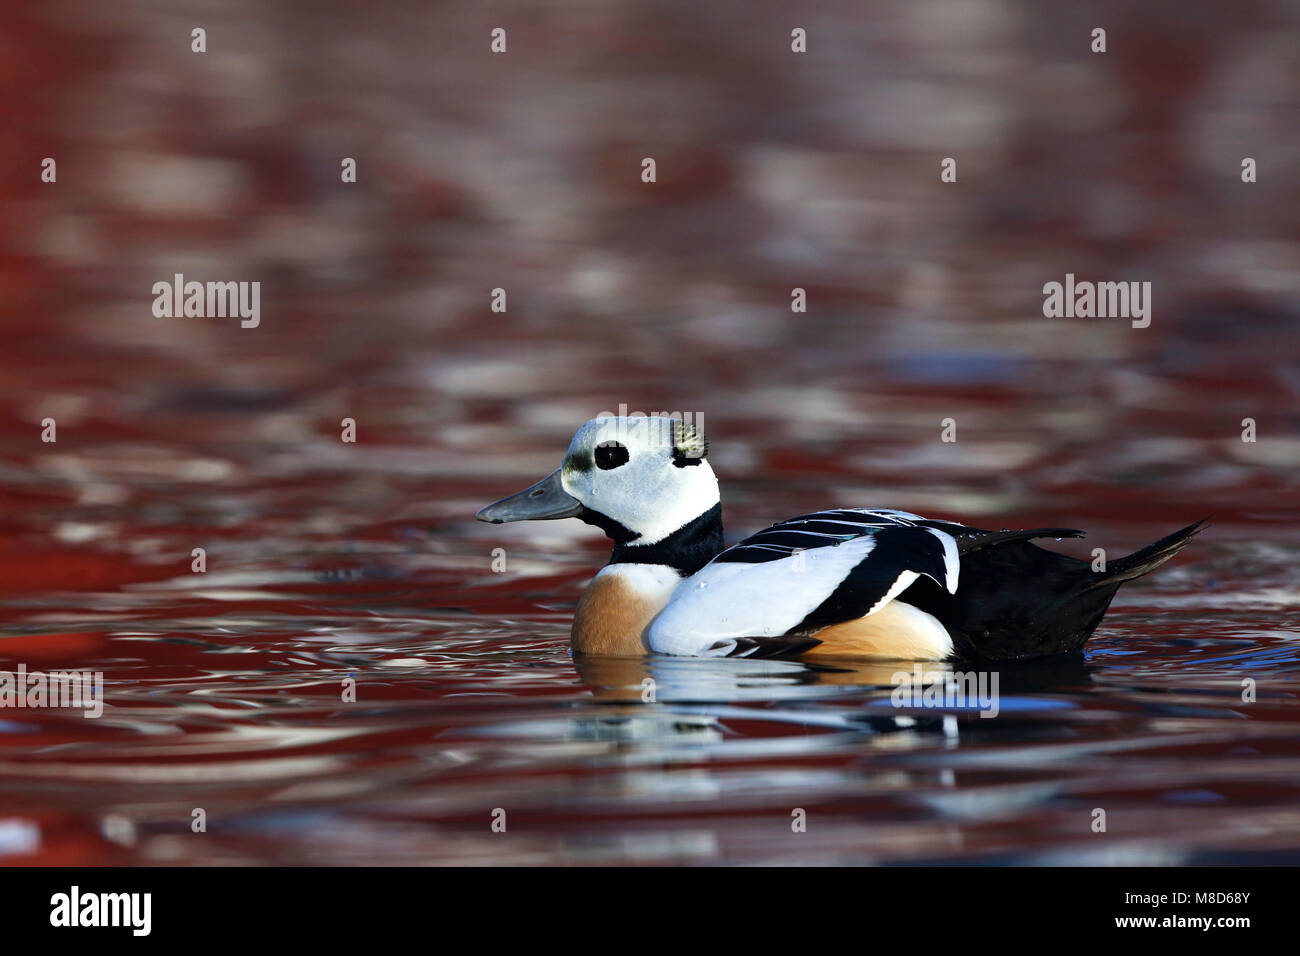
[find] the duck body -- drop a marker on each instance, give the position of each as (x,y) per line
(843,583)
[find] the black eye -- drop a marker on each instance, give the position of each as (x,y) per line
(610,454)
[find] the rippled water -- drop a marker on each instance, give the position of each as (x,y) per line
(224,693)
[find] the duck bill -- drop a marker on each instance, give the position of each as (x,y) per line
(545,500)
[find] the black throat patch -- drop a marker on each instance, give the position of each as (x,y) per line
(686,550)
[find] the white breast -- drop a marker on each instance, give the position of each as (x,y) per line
(653,583)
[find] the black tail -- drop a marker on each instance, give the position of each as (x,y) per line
(1016,600)
(1149,558)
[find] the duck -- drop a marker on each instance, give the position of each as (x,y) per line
(845,583)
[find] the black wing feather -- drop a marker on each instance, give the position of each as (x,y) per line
(897,550)
(818,530)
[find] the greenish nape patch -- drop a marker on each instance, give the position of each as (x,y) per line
(689,442)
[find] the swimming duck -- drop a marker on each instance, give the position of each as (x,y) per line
(847,583)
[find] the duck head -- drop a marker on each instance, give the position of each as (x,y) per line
(644,481)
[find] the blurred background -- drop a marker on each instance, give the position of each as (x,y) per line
(522,171)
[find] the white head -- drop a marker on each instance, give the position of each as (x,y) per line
(638,478)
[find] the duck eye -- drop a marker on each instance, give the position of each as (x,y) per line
(610,454)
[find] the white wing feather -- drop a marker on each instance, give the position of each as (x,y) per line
(728,600)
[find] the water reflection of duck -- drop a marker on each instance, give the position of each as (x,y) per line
(651,679)
(836,584)
(694,696)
